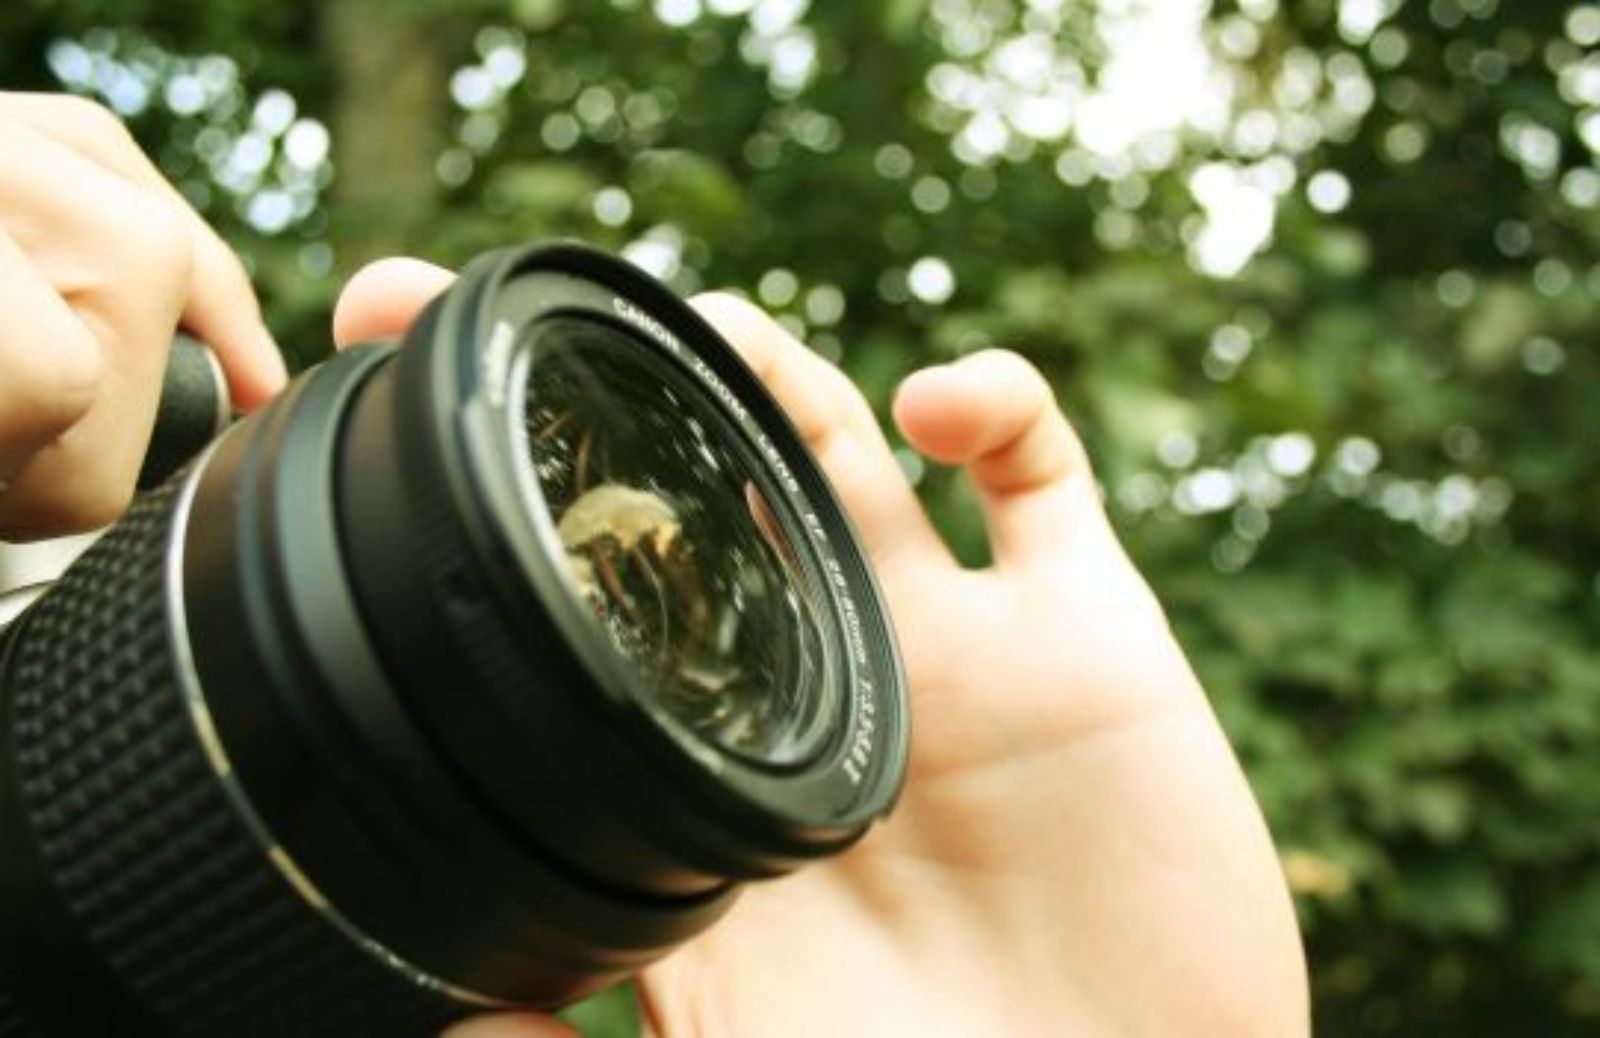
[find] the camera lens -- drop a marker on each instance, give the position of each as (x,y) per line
(675,544)
(480,670)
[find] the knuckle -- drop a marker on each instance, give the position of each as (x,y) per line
(1016,368)
(738,318)
(729,303)
(49,390)
(754,335)
(831,401)
(157,233)
(90,117)
(852,403)
(1033,397)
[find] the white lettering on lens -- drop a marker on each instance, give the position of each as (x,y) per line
(649,325)
(859,755)
(718,390)
(815,526)
(779,466)
(656,330)
(861,746)
(852,623)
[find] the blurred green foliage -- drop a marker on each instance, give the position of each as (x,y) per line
(1363,470)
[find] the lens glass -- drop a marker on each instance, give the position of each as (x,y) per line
(675,540)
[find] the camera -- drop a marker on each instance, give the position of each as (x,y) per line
(477,670)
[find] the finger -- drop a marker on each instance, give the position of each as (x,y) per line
(117,257)
(221,308)
(383,299)
(839,427)
(50,364)
(223,312)
(513,1025)
(994,413)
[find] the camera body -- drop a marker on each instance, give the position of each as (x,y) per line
(475,671)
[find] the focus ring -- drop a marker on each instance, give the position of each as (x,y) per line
(161,874)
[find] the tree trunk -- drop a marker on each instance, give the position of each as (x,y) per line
(388,116)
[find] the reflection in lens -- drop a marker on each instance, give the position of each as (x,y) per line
(674,543)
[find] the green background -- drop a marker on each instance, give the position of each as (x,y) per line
(1363,472)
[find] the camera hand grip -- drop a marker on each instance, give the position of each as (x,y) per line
(195,407)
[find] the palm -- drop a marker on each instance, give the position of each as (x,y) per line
(1075,836)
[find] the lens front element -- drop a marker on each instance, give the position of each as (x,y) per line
(677,547)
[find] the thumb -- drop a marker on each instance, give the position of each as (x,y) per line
(383,298)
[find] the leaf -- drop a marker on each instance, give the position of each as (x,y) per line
(1441,809)
(1373,613)
(1135,415)
(1451,900)
(537,195)
(691,190)
(537,14)
(1503,319)
(901,17)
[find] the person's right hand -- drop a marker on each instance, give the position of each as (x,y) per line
(100,261)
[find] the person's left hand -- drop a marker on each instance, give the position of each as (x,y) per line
(1077,850)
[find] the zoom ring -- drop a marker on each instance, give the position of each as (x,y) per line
(158,870)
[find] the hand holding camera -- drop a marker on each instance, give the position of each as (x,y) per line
(99,259)
(1075,850)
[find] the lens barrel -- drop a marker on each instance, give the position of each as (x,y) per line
(478,671)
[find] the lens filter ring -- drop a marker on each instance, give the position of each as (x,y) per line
(493,545)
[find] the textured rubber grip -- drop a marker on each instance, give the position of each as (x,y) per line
(157,868)
(194,408)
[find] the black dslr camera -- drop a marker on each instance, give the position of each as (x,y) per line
(475,671)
